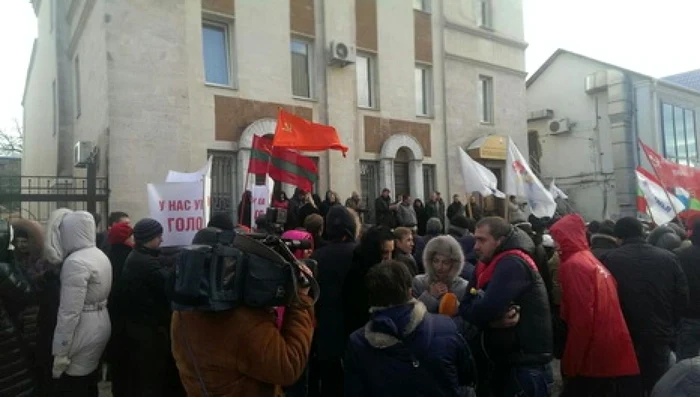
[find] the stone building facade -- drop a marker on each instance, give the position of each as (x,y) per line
(163,85)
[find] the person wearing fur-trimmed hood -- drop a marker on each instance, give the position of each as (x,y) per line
(403,350)
(443,259)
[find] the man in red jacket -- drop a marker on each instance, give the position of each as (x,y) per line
(599,358)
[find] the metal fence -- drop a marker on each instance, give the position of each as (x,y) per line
(35,197)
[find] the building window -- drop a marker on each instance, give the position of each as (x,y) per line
(486,99)
(55,107)
(78,106)
(301,68)
(215,48)
(421,5)
(424,91)
(485,14)
(366,81)
(680,139)
(429,184)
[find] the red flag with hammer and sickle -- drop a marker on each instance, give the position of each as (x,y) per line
(294,132)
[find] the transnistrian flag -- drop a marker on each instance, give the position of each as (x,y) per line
(294,132)
(282,165)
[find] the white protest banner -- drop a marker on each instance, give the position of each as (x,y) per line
(203,174)
(179,207)
(259,202)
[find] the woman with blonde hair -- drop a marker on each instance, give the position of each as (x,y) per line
(441,287)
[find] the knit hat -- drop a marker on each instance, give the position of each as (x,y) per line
(146,230)
(629,227)
(119,233)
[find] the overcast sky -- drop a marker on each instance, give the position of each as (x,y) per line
(658,38)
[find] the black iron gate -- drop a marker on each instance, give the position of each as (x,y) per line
(35,197)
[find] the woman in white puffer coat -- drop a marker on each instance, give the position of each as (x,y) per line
(83,326)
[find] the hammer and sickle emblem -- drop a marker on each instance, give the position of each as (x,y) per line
(287,127)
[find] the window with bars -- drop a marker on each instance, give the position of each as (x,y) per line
(302,61)
(369,185)
(222,184)
(679,134)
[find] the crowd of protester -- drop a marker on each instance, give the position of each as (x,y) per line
(430,300)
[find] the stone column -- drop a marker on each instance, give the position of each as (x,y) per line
(386,175)
(415,175)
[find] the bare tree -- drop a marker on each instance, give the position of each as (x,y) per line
(11,142)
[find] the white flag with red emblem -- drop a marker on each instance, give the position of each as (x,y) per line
(523,183)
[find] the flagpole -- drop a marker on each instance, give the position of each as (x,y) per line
(661,181)
(469,205)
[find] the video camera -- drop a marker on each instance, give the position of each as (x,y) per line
(273,221)
(225,269)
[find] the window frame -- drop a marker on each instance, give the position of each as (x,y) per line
(372,83)
(228,48)
(486,100)
(310,56)
(427,88)
(485,14)
(78,98)
(54,91)
(679,135)
(422,5)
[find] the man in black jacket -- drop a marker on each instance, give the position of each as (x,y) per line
(688,344)
(142,303)
(603,240)
(653,293)
(334,262)
(385,211)
(513,353)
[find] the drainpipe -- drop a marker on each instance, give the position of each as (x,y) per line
(323,68)
(441,30)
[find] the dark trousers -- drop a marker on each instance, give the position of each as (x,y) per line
(332,378)
(525,381)
(626,386)
(76,386)
(653,359)
(152,370)
(688,341)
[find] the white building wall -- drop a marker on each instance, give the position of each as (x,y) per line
(471,52)
(40,137)
(148,98)
(92,124)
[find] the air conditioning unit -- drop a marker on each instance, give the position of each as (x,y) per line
(559,126)
(342,54)
(82,152)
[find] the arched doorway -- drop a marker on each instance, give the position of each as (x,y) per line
(401,165)
(402,181)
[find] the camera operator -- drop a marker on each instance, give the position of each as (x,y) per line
(240,351)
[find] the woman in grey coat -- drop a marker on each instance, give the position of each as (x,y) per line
(443,259)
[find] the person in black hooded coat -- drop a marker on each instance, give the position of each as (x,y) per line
(377,244)
(16,377)
(334,261)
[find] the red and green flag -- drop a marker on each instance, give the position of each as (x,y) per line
(282,165)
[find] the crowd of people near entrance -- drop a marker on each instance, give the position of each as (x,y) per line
(430,300)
